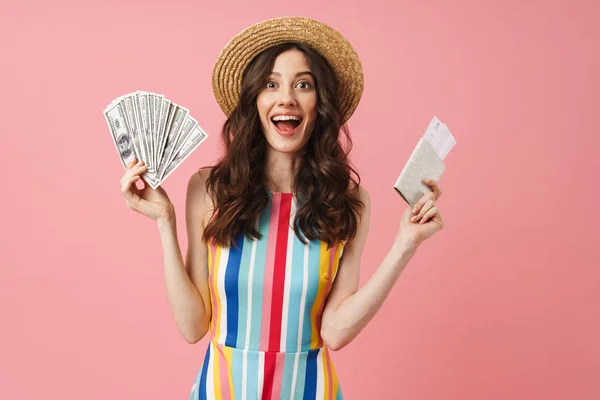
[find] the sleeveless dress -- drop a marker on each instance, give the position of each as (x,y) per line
(267,299)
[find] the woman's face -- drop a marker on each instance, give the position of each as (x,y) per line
(290,90)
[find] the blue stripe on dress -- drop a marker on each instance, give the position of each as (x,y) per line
(286,376)
(231,292)
(258,279)
(314,260)
(202,387)
(310,387)
(300,378)
(252,375)
(339,393)
(296,284)
(237,372)
(243,285)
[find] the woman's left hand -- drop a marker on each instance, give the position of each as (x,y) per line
(422,221)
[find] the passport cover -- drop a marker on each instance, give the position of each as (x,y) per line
(422,164)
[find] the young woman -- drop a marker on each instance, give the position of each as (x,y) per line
(277,226)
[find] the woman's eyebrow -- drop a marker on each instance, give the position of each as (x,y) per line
(297,75)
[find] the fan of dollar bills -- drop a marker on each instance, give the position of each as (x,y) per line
(151,128)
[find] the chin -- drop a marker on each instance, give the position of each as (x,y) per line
(286,144)
(289,147)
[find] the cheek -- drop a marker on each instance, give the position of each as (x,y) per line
(312,117)
(261,106)
(311,105)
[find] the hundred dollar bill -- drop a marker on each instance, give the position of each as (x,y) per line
(128,104)
(196,137)
(179,117)
(164,121)
(116,119)
(168,125)
(117,124)
(188,126)
(144,116)
(157,111)
(151,126)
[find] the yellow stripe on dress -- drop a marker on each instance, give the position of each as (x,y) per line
(210,266)
(228,353)
(217,373)
(323,269)
(336,261)
(334,378)
(326,371)
(215,282)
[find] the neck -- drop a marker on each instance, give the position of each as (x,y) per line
(280,169)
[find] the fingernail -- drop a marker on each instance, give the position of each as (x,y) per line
(414,210)
(413,219)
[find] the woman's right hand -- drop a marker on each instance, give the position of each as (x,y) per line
(150,202)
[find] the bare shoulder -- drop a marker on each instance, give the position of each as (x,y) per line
(363,195)
(355,245)
(198,203)
(365,213)
(198,178)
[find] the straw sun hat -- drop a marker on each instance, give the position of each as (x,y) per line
(242,48)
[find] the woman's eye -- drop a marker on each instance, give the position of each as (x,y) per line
(272,84)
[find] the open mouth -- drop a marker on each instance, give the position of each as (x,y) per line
(286,125)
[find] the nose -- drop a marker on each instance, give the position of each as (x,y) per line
(286,97)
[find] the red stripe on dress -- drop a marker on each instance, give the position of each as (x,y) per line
(279,272)
(270,363)
(278,376)
(268,273)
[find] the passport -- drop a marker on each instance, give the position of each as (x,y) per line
(425,162)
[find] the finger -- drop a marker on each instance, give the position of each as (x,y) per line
(426,207)
(135,170)
(138,170)
(429,214)
(145,185)
(135,164)
(126,185)
(426,197)
(437,190)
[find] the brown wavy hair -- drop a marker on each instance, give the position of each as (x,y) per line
(324,179)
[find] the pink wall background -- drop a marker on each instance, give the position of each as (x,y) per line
(504,303)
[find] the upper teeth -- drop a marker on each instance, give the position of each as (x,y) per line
(285,118)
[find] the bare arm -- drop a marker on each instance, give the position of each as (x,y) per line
(187,284)
(348,309)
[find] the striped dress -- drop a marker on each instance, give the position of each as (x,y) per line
(267,300)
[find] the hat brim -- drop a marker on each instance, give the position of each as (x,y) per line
(242,48)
